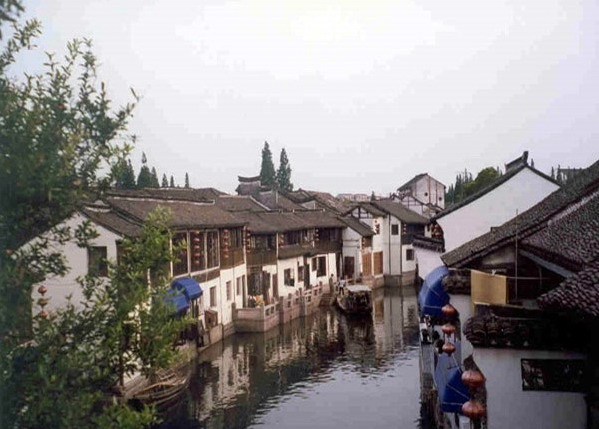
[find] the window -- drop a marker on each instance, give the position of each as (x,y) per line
(180,249)
(198,251)
(409,254)
(213,296)
(255,284)
(320,264)
(96,261)
(289,277)
(394,229)
(378,263)
(262,242)
(212,249)
(229,292)
(236,237)
(238,286)
(300,272)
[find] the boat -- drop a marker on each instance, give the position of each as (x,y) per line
(165,389)
(355,299)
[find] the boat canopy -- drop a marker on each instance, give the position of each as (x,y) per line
(432,296)
(358,288)
(178,301)
(453,393)
(190,288)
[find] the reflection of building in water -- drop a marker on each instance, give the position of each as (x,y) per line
(394,310)
(262,362)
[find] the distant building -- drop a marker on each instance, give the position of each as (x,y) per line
(358,198)
(423,194)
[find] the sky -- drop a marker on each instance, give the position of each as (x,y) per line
(363,95)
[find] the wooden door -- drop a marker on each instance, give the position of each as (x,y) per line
(349,267)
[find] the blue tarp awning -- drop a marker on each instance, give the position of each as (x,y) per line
(453,393)
(188,286)
(178,301)
(432,296)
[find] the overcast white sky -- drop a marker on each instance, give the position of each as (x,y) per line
(362,94)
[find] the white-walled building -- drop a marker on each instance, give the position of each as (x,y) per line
(423,194)
(520,188)
(394,228)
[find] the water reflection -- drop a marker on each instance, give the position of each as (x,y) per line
(322,371)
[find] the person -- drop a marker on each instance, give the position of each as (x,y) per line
(332,283)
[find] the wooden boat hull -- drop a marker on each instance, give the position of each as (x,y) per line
(355,304)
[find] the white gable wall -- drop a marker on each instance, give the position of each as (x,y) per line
(519,193)
(59,288)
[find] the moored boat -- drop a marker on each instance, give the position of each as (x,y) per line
(355,299)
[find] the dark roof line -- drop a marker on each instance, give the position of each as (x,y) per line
(528,222)
(498,182)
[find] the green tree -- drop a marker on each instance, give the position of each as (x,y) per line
(122,172)
(164,183)
(9,11)
(144,178)
(267,169)
(284,173)
(58,128)
(172,182)
(186,180)
(155,182)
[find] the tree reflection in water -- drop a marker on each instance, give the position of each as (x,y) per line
(323,360)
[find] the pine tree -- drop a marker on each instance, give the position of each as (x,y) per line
(187,180)
(144,179)
(164,183)
(155,182)
(284,173)
(267,169)
(129,177)
(172,182)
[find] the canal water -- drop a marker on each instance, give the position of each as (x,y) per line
(322,371)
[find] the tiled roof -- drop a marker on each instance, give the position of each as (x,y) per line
(185,214)
(529,222)
(572,239)
(273,222)
(400,211)
(517,327)
(413,180)
(369,207)
(578,294)
(245,179)
(187,194)
(429,243)
(498,182)
(357,225)
(236,203)
(275,200)
(324,200)
(112,221)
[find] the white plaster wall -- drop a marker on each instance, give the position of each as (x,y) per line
(225,306)
(427,260)
(59,288)
(433,190)
(352,244)
(508,406)
(284,264)
(519,193)
(408,266)
(462,303)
